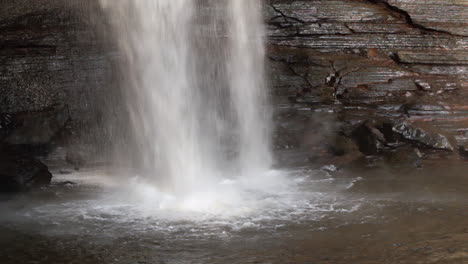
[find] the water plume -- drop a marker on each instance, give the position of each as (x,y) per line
(194,90)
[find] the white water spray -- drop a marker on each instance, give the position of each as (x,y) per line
(195,89)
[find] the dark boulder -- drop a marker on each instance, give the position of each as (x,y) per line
(423,134)
(22,173)
(463,151)
(369,138)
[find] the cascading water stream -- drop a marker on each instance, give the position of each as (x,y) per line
(194,89)
(190,122)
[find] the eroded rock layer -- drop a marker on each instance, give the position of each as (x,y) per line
(52,63)
(333,64)
(365,60)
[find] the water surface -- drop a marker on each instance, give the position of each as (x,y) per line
(299,215)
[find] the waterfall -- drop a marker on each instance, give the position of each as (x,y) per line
(193,89)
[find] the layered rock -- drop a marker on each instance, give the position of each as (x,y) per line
(55,69)
(404,61)
(336,63)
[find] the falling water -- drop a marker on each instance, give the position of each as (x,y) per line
(194,89)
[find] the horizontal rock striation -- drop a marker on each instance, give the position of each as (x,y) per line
(333,65)
(400,60)
(53,55)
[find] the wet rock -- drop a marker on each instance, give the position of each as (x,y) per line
(329,168)
(37,128)
(22,173)
(463,151)
(369,139)
(435,57)
(404,156)
(424,135)
(55,53)
(433,16)
(284,139)
(367,55)
(66,183)
(6,125)
(379,58)
(425,86)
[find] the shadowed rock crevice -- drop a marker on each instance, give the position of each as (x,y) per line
(408,19)
(285,17)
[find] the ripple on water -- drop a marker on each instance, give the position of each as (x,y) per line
(270,203)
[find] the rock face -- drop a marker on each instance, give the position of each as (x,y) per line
(344,61)
(463,150)
(20,173)
(53,70)
(36,128)
(359,60)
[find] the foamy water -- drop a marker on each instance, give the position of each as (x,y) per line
(104,219)
(266,203)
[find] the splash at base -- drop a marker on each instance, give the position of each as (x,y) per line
(194,91)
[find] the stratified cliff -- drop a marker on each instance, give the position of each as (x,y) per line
(55,73)
(390,68)
(384,62)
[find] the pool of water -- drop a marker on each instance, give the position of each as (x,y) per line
(297,215)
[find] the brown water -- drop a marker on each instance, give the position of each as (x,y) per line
(370,215)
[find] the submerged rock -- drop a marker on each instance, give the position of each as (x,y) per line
(426,136)
(21,173)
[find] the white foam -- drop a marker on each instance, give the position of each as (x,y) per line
(266,202)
